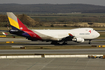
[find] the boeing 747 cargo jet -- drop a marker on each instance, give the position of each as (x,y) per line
(78,35)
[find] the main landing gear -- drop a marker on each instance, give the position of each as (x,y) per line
(58,43)
(89,41)
(55,43)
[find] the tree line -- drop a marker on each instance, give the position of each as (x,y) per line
(39,21)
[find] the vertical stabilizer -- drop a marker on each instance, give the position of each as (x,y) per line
(15,22)
(20,29)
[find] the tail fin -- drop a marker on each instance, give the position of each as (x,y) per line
(4,33)
(15,22)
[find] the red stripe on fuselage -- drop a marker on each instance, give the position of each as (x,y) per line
(33,35)
(25,29)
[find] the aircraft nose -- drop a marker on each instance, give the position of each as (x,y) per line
(98,34)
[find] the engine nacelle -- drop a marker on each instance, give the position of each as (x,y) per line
(80,40)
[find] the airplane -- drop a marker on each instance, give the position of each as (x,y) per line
(78,35)
(4,33)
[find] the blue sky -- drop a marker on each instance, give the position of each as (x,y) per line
(95,2)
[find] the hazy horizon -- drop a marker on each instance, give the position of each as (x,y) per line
(93,2)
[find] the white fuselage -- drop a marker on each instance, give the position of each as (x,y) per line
(85,33)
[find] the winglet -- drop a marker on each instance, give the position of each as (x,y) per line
(15,22)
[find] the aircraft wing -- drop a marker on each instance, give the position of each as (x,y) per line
(68,38)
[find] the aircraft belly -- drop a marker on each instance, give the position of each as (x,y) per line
(50,35)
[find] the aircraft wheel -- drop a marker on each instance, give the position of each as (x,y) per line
(89,41)
(64,43)
(55,43)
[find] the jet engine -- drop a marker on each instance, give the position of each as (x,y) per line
(79,40)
